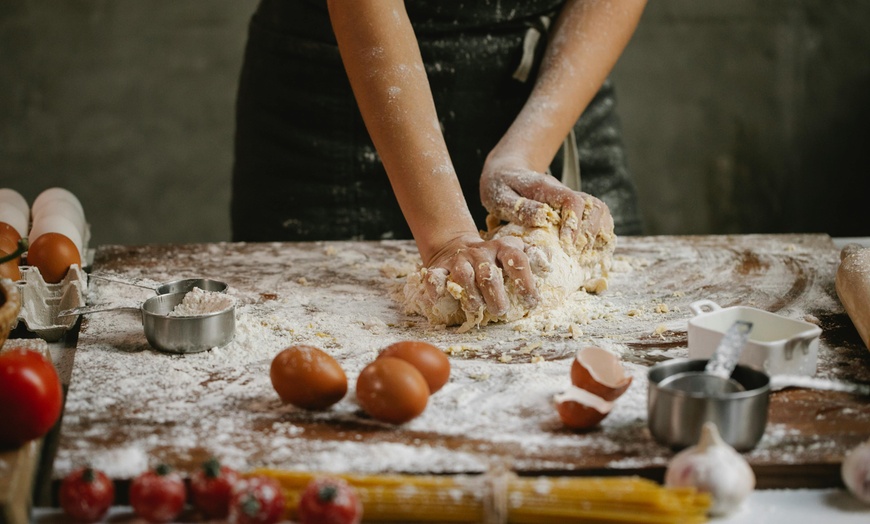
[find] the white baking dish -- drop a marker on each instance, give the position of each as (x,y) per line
(777,345)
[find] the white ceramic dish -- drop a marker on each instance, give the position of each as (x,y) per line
(777,345)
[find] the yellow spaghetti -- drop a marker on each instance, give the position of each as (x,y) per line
(507,498)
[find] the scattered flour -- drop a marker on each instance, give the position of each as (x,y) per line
(129,405)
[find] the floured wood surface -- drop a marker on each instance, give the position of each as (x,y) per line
(130,406)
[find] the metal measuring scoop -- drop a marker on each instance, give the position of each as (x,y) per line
(176,286)
(716,379)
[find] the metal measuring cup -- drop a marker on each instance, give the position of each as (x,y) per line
(185,334)
(715,379)
(177,334)
(175,286)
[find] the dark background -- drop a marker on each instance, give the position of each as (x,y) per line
(740,116)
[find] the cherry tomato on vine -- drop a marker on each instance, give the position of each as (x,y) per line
(30,396)
(211,488)
(329,501)
(158,495)
(86,494)
(257,500)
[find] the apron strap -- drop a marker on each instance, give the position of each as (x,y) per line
(530,44)
(570,151)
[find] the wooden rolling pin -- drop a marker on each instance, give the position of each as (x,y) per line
(853,287)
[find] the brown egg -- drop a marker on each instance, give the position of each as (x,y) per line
(9,269)
(307,377)
(392,390)
(599,372)
(580,409)
(9,237)
(53,254)
(428,359)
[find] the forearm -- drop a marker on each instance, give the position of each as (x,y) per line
(584,45)
(382,60)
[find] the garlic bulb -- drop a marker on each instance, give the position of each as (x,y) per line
(714,467)
(856,471)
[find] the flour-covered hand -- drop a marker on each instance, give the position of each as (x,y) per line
(481,267)
(533,199)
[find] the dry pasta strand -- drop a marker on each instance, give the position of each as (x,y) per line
(538,500)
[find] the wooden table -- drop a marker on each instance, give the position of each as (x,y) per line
(336,295)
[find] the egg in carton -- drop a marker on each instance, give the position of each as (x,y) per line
(41,302)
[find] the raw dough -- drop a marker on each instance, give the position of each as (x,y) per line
(560,268)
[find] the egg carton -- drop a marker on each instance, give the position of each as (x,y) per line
(41,301)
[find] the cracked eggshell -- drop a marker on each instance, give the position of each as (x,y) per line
(580,409)
(599,372)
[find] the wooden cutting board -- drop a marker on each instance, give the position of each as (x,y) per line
(129,406)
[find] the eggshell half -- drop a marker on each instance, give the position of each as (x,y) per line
(599,372)
(580,409)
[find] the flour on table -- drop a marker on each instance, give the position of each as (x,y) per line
(560,269)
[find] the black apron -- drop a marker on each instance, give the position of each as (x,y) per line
(305,168)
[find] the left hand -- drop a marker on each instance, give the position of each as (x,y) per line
(516,194)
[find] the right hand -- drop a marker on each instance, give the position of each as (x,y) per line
(473,264)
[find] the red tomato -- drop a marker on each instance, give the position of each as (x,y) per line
(211,488)
(158,495)
(30,396)
(53,254)
(257,500)
(329,501)
(86,494)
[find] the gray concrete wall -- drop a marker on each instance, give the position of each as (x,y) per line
(744,116)
(740,116)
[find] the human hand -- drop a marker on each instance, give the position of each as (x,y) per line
(479,268)
(532,199)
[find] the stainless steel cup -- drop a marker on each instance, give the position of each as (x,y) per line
(185,334)
(675,416)
(187,284)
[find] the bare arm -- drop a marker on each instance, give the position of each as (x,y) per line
(587,39)
(382,60)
